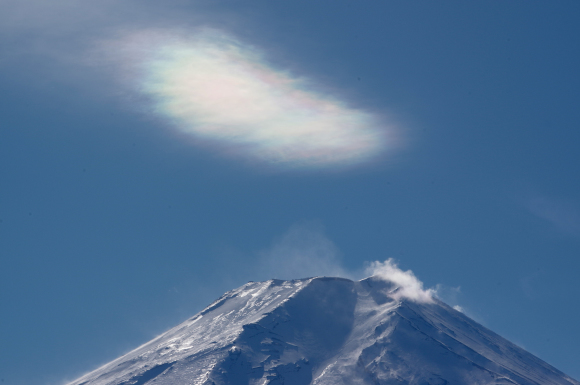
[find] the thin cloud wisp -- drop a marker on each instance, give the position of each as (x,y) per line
(223,93)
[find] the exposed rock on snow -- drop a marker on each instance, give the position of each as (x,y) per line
(326,331)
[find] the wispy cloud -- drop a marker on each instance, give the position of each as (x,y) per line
(223,93)
(564,215)
(217,91)
(529,283)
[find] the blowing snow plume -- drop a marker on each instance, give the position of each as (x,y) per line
(224,94)
(409,286)
(303,251)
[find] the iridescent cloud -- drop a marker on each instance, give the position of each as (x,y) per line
(225,94)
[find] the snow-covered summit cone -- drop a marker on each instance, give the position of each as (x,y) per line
(327,331)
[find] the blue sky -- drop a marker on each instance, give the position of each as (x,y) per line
(154,156)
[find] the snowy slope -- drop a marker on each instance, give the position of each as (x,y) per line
(326,331)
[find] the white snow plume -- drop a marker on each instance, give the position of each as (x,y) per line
(303,251)
(409,286)
(448,294)
(222,93)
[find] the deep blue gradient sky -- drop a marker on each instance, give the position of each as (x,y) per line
(114,227)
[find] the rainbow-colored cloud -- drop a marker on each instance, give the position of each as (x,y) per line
(224,93)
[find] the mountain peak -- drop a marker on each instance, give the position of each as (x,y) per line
(327,330)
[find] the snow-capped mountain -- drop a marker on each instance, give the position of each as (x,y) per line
(327,331)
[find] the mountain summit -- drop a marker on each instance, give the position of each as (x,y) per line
(327,331)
